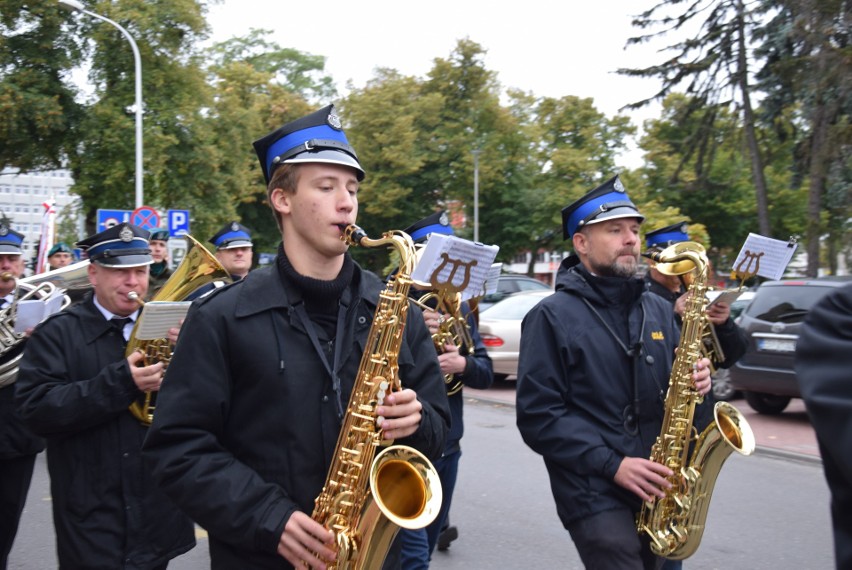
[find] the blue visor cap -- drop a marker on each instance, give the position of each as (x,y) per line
(437,223)
(10,241)
(233,235)
(608,201)
(120,246)
(318,137)
(667,236)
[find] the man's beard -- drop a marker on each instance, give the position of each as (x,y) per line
(622,269)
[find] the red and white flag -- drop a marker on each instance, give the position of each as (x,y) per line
(48,230)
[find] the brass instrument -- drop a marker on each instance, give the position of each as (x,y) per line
(365,501)
(197,269)
(676,523)
(453,328)
(39,286)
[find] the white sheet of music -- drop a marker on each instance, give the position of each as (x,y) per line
(33,311)
(450,261)
(770,256)
(158,317)
(493,278)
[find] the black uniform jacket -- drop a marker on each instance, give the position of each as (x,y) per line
(16,439)
(824,371)
(247,421)
(576,385)
(74,388)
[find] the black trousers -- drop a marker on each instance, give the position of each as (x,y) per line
(15,477)
(609,541)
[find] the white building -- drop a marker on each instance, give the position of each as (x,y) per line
(22,196)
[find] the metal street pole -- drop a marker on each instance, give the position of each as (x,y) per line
(476,154)
(137,60)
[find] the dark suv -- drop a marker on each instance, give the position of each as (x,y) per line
(771,321)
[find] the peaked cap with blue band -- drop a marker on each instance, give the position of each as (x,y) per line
(233,235)
(10,240)
(667,236)
(608,201)
(437,223)
(60,247)
(317,137)
(121,246)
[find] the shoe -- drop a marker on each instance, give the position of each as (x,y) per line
(447,535)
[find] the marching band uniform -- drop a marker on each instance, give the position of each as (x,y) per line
(18,445)
(732,339)
(823,361)
(418,545)
(261,379)
(75,387)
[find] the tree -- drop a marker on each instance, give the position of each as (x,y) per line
(714,64)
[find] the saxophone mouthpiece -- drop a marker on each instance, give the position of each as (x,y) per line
(352,234)
(134,296)
(653,255)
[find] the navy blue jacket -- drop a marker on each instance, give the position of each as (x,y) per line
(576,384)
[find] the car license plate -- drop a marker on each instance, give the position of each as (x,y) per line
(776,344)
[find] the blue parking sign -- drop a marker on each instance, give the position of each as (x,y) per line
(178,222)
(110,218)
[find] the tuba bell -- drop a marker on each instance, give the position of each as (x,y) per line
(41,286)
(198,268)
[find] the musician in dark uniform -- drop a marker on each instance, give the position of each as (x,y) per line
(234,249)
(823,363)
(18,445)
(247,423)
(594,367)
(732,339)
(159,269)
(74,389)
(468,366)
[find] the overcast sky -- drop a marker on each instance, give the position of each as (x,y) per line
(549,48)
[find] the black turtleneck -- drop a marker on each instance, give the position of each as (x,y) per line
(321,298)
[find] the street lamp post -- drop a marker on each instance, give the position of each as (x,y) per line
(476,154)
(137,60)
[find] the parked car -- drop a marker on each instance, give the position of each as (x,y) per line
(509,285)
(771,321)
(500,328)
(723,390)
(738,306)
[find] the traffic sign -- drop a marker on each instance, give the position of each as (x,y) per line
(146,218)
(110,218)
(178,222)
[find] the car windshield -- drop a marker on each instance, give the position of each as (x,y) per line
(511,308)
(785,303)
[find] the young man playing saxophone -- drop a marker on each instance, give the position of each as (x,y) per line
(593,371)
(246,428)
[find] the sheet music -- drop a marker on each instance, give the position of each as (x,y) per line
(456,263)
(158,317)
(493,278)
(727,296)
(31,312)
(769,256)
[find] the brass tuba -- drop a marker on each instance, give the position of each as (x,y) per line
(41,286)
(197,269)
(368,497)
(676,522)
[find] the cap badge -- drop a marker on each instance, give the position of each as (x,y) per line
(617,185)
(444,219)
(126,234)
(334,121)
(4,231)
(234,226)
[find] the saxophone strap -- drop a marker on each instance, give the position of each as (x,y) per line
(331,368)
(634,352)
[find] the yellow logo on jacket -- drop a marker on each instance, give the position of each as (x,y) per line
(657,335)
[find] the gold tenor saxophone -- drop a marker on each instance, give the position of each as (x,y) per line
(368,497)
(675,523)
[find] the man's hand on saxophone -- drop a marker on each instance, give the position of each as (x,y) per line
(305,543)
(399,415)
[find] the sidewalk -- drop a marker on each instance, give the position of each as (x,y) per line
(788,434)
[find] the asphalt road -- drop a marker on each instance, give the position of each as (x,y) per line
(769,511)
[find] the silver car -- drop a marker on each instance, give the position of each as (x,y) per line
(500,328)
